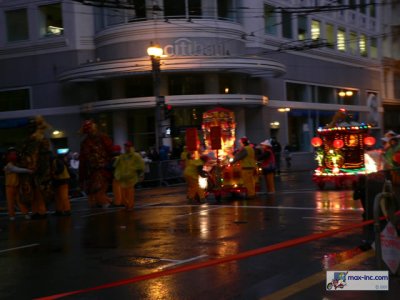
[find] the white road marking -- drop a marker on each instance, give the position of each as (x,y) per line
(18,248)
(181,262)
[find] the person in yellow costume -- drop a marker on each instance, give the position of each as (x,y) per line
(248,163)
(128,170)
(61,186)
(194,169)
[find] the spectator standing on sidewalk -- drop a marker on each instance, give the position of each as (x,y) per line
(288,156)
(277,149)
(12,184)
(129,170)
(116,185)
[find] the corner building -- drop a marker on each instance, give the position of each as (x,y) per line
(283,67)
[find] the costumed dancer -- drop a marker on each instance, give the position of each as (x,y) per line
(248,163)
(94,161)
(61,179)
(129,170)
(12,184)
(36,155)
(268,165)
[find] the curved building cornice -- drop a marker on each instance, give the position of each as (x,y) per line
(254,66)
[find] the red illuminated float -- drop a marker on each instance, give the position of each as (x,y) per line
(218,128)
(340,148)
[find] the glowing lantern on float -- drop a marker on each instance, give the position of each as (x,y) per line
(396,157)
(316,141)
(338,144)
(369,141)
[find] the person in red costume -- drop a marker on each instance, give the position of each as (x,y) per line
(95,157)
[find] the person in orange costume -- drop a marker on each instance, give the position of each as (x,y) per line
(60,182)
(12,185)
(129,170)
(248,163)
(94,161)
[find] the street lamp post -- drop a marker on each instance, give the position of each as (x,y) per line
(155,53)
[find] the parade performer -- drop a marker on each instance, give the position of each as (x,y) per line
(268,165)
(194,169)
(61,179)
(36,155)
(129,170)
(12,184)
(246,156)
(94,161)
(116,185)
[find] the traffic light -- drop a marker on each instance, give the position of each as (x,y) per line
(167,111)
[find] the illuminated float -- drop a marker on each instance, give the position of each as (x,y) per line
(340,151)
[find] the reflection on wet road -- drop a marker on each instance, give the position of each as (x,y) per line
(96,247)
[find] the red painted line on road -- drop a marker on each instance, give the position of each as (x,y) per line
(200,265)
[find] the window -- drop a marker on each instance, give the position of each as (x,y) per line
(341,40)
(17,25)
(186,85)
(301,27)
(353,43)
(15,100)
(363,6)
(362,44)
(372,9)
(226,9)
(352,4)
(325,95)
(396,85)
(374,48)
(315,29)
(270,21)
(296,92)
(330,35)
(287,25)
(50,20)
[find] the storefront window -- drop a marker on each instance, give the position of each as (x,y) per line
(17,25)
(50,20)
(186,84)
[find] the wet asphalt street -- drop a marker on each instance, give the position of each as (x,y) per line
(95,247)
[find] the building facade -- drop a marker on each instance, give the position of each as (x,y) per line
(283,67)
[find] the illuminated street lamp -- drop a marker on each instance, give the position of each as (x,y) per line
(155,52)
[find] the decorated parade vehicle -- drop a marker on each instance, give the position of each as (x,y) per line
(340,151)
(218,134)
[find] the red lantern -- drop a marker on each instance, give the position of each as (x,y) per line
(338,144)
(316,141)
(369,141)
(396,157)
